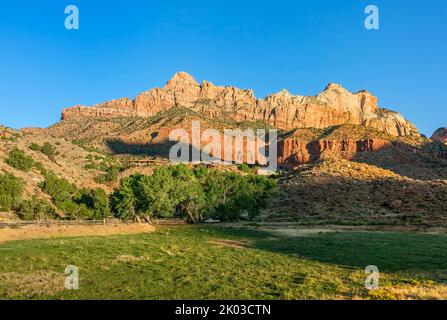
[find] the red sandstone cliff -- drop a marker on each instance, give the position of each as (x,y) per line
(293,152)
(440,135)
(334,106)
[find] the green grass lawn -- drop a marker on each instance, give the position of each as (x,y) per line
(226,263)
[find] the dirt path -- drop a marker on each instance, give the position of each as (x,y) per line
(45,232)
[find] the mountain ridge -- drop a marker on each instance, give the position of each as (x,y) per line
(333,106)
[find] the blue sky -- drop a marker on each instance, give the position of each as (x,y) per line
(126,47)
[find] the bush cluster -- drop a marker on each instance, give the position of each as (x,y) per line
(196,194)
(11,189)
(74,203)
(35,209)
(47,149)
(110,175)
(110,169)
(19,160)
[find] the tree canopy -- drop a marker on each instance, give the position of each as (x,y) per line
(195,194)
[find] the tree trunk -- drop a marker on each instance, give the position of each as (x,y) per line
(191,216)
(147,219)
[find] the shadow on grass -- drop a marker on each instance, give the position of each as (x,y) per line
(390,252)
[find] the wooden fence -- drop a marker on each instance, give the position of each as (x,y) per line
(109,221)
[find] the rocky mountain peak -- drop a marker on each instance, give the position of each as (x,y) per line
(182,79)
(335,87)
(440,135)
(334,106)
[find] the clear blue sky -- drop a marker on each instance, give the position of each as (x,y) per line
(125,47)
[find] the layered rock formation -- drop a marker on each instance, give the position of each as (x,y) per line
(440,135)
(334,106)
(292,153)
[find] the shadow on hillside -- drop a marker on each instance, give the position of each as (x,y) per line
(390,252)
(140,149)
(160,150)
(428,162)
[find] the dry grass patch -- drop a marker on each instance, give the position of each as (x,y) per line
(129,258)
(44,232)
(409,292)
(297,232)
(32,284)
(230,243)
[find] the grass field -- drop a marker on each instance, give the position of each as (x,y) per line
(186,262)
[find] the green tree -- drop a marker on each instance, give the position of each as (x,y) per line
(11,189)
(96,201)
(193,194)
(59,189)
(155,196)
(123,200)
(188,193)
(74,203)
(35,209)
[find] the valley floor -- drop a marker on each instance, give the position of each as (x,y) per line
(228,262)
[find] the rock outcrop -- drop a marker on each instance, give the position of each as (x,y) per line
(334,106)
(292,153)
(440,135)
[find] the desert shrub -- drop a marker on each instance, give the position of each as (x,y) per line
(191,193)
(35,209)
(39,166)
(35,147)
(110,175)
(245,168)
(59,189)
(91,166)
(6,202)
(19,160)
(47,149)
(68,208)
(84,146)
(74,203)
(11,189)
(107,165)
